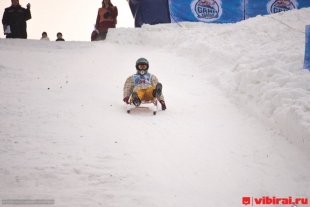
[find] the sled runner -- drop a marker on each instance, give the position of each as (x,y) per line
(151,105)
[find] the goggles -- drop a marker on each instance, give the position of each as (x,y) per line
(142,67)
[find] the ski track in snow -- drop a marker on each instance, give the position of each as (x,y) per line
(65,134)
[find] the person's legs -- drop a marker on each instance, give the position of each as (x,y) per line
(102,35)
(144,94)
(135,99)
(158,90)
(148,96)
(149,93)
(141,93)
(94,36)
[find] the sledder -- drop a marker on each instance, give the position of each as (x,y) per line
(143,88)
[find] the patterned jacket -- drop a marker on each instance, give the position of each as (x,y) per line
(131,86)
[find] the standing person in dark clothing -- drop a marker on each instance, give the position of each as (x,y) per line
(14,20)
(59,37)
(106,18)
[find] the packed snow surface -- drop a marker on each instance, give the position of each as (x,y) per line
(237,121)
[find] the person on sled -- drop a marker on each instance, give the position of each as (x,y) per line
(143,86)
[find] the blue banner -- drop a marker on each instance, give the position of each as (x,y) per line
(263,7)
(307,50)
(215,11)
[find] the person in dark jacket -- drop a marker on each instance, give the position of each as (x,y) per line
(14,20)
(106,18)
(59,37)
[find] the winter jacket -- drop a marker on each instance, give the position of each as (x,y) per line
(45,38)
(16,17)
(132,84)
(106,18)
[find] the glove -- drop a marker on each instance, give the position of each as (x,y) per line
(126,99)
(163,105)
(28,6)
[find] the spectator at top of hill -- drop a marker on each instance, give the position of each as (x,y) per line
(106,18)
(45,37)
(59,37)
(14,20)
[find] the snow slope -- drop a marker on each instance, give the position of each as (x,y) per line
(237,122)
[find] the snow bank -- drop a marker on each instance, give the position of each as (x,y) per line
(257,62)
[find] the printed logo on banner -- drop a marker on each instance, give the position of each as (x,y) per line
(275,6)
(207,10)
